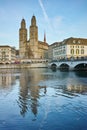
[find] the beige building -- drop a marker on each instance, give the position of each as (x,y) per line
(32,48)
(7,54)
(71,48)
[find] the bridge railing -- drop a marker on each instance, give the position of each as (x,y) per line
(71,59)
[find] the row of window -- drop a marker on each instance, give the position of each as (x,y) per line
(60,47)
(5,49)
(76,46)
(59,52)
(77,51)
(72,52)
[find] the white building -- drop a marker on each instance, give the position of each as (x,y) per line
(71,48)
(50,50)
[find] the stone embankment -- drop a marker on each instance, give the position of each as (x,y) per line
(20,66)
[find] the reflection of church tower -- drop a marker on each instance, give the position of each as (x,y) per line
(34,37)
(22,39)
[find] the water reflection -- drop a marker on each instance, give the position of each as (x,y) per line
(81,73)
(71,90)
(29,91)
(32,81)
(50,96)
(7,79)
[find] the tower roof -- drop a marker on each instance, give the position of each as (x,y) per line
(33,17)
(23,24)
(33,21)
(23,21)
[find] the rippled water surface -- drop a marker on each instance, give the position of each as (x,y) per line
(42,99)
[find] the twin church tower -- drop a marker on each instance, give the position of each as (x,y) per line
(32,48)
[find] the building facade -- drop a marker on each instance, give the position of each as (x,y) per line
(50,50)
(7,54)
(32,48)
(71,48)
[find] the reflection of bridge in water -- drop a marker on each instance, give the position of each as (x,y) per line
(69,64)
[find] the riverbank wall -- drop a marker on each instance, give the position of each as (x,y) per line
(21,66)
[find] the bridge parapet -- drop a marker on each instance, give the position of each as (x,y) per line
(72,64)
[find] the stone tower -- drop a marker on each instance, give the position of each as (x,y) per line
(22,39)
(34,37)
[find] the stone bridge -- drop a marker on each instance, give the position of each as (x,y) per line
(70,65)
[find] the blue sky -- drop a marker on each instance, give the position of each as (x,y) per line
(60,19)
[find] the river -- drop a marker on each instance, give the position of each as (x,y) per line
(42,99)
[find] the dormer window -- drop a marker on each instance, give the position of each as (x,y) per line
(79,41)
(74,41)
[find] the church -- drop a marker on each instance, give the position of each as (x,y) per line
(31,48)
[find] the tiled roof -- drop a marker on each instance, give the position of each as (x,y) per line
(4,46)
(72,40)
(43,43)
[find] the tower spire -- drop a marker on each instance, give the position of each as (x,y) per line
(44,37)
(33,21)
(23,24)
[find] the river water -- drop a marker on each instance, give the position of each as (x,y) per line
(42,99)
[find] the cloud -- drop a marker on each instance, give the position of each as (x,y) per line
(45,15)
(53,25)
(43,10)
(56,22)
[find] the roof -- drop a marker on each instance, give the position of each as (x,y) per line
(7,46)
(55,44)
(43,43)
(75,41)
(4,46)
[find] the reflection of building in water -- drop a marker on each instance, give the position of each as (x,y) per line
(70,90)
(29,91)
(6,78)
(34,92)
(77,88)
(23,96)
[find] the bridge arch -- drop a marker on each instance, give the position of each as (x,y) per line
(53,66)
(69,65)
(81,66)
(64,66)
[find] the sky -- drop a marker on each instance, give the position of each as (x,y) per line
(59,19)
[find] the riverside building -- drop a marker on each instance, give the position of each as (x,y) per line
(7,54)
(71,48)
(50,50)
